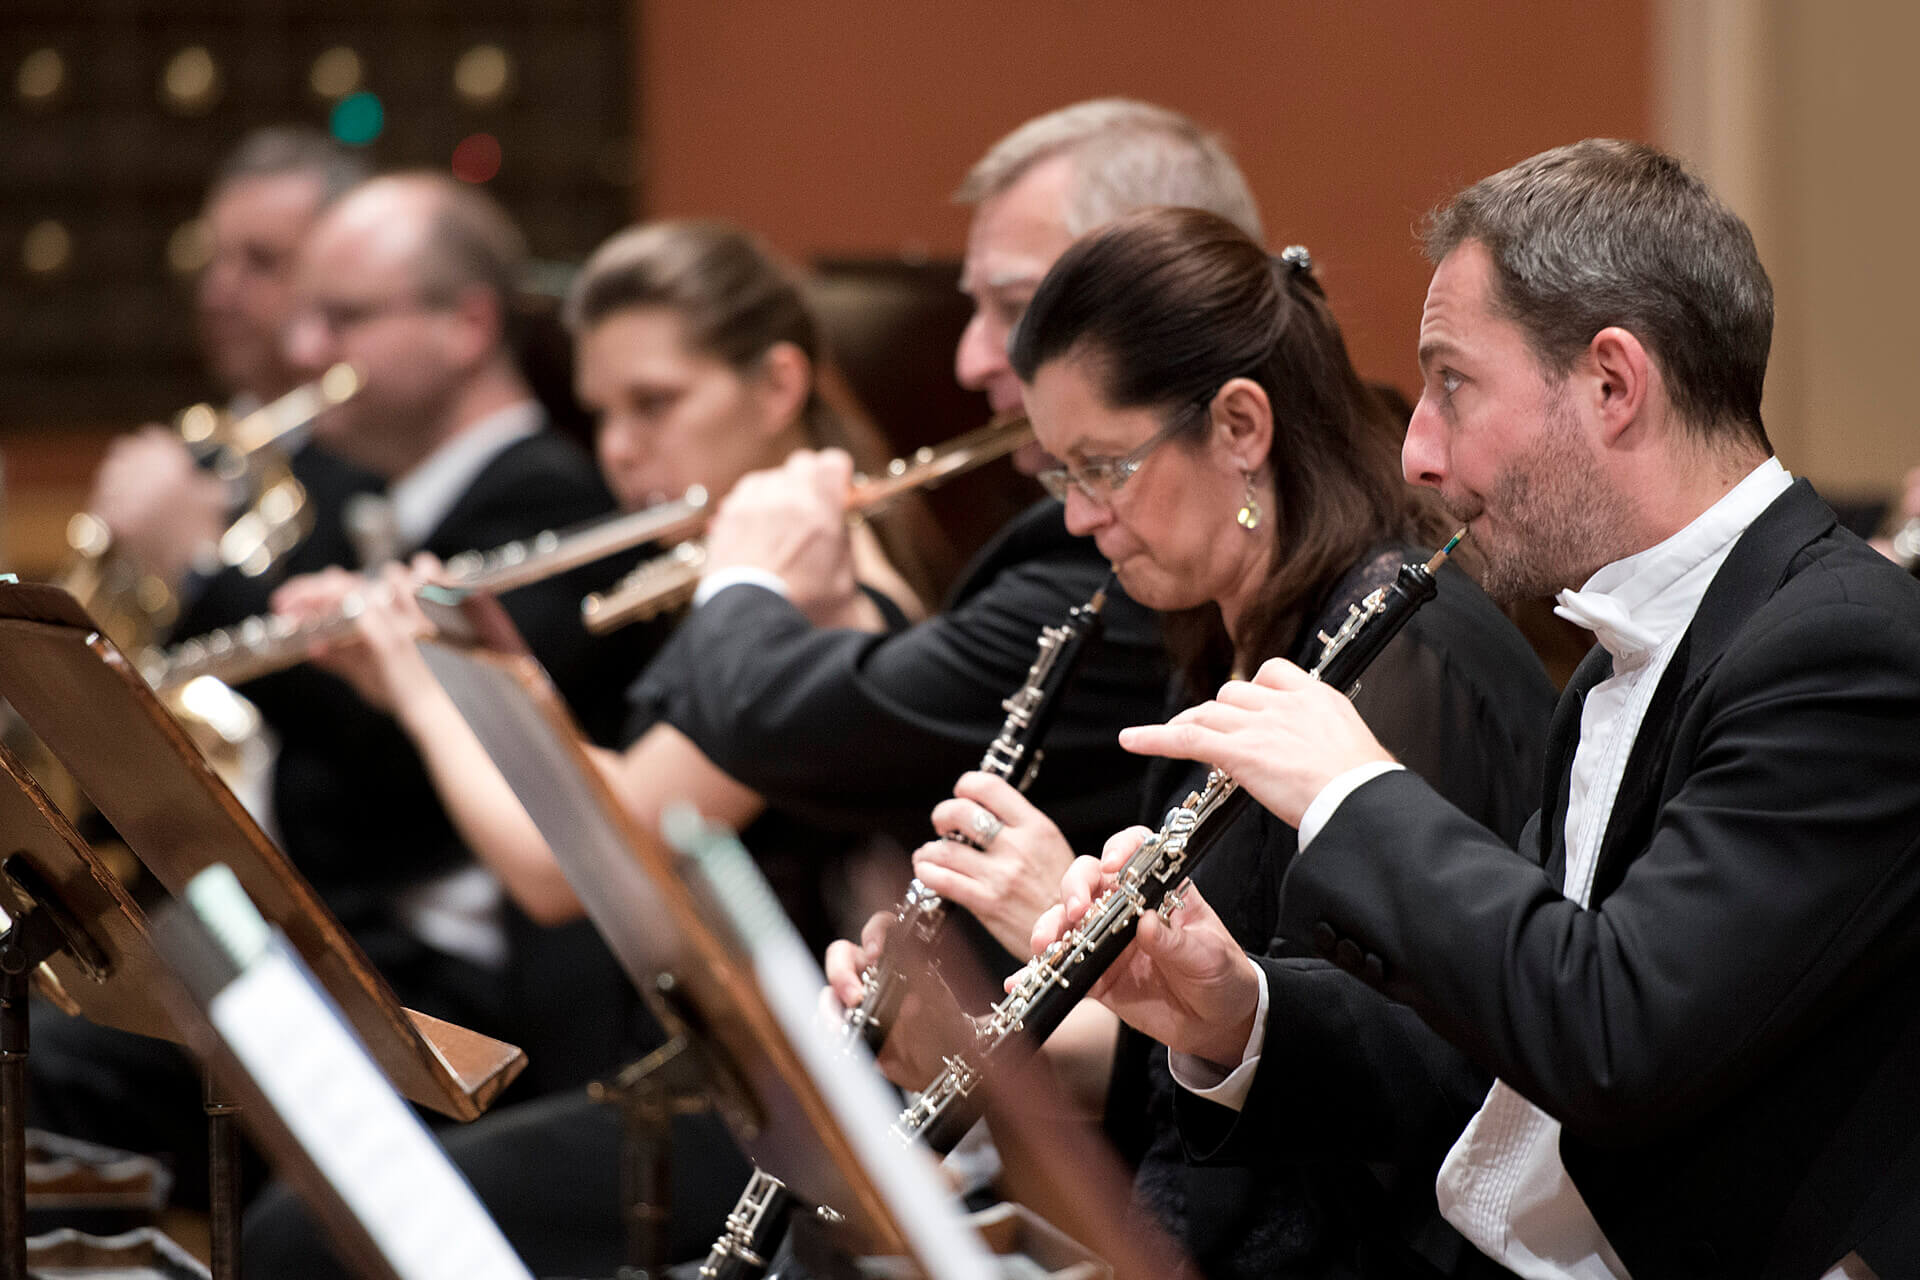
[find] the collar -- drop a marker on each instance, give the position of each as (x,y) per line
(422,497)
(1635,605)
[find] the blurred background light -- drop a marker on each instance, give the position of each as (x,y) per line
(47,248)
(43,74)
(477,158)
(189,248)
(482,74)
(335,73)
(190,84)
(358,119)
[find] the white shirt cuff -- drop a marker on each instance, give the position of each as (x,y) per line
(720,579)
(1210,1080)
(1331,796)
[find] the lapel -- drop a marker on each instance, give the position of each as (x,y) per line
(1753,571)
(1563,738)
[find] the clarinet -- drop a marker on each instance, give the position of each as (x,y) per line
(1014,755)
(1051,983)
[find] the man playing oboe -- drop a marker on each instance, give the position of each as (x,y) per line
(1695,982)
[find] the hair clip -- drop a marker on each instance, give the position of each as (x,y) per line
(1297,257)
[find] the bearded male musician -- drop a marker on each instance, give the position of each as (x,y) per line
(1695,982)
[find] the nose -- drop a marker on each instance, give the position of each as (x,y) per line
(981,358)
(310,344)
(1084,515)
(1423,457)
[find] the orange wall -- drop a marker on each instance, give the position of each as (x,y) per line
(841,126)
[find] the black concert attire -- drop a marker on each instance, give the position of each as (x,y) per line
(860,732)
(1728,1033)
(1343,1187)
(359,818)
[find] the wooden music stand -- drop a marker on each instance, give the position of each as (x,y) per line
(93,711)
(106,957)
(795,1103)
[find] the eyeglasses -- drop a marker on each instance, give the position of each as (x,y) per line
(338,317)
(1100,478)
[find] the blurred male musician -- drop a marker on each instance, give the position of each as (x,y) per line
(161,508)
(409,277)
(1695,982)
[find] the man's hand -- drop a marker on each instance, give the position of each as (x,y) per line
(792,522)
(930,1024)
(1183,981)
(162,509)
(1014,872)
(1283,736)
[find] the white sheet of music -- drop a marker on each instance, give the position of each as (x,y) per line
(367,1143)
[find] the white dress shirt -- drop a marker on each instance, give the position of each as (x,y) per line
(457,912)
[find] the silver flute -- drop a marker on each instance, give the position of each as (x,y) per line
(1051,983)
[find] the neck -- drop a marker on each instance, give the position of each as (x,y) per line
(494,387)
(1244,592)
(1681,485)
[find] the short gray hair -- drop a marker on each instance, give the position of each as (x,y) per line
(293,150)
(1127,155)
(1604,232)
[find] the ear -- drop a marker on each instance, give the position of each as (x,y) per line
(1621,381)
(781,385)
(478,325)
(1243,422)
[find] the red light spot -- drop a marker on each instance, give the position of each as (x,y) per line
(477,158)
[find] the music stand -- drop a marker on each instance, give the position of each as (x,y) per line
(97,716)
(90,707)
(795,1103)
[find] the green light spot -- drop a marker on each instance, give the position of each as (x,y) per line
(358,119)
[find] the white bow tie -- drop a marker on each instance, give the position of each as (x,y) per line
(1607,618)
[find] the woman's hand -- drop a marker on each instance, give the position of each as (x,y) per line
(930,1024)
(999,857)
(1183,980)
(380,656)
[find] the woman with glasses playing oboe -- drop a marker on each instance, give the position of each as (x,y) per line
(1217,444)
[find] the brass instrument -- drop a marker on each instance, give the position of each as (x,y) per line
(132,605)
(266,643)
(1014,755)
(668,580)
(1051,983)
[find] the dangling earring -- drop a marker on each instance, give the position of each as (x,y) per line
(1250,513)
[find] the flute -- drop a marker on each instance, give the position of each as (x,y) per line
(266,643)
(1013,755)
(1051,983)
(668,580)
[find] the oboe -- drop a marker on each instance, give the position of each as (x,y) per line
(759,1217)
(1052,982)
(1014,755)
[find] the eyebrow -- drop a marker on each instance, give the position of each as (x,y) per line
(1004,279)
(1433,349)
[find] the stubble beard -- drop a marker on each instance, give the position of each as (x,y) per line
(1554,512)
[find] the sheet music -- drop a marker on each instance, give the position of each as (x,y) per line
(361,1136)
